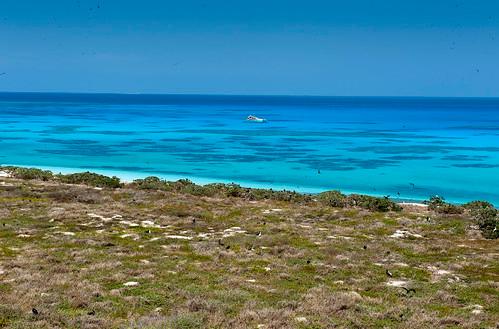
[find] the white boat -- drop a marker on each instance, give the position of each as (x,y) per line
(253,118)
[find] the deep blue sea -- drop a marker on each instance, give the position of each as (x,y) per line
(408,148)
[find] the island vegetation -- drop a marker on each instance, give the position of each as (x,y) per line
(89,251)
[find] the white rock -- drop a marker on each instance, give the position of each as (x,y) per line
(395,283)
(179,237)
(128,235)
(131,284)
(404,234)
(301,319)
(128,223)
(148,223)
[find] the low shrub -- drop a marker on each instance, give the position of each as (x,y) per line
(91,179)
(486,217)
(333,199)
(29,173)
(152,183)
(372,203)
(438,204)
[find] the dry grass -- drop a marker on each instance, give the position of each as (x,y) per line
(126,258)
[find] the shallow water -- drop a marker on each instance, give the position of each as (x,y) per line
(408,148)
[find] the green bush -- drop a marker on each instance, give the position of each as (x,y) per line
(486,217)
(438,204)
(152,183)
(91,179)
(29,173)
(372,203)
(333,198)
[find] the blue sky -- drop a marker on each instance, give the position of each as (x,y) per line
(356,47)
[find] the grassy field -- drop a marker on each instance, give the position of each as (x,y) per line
(77,256)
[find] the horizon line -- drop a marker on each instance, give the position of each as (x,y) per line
(240,95)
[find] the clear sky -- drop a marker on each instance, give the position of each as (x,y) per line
(306,47)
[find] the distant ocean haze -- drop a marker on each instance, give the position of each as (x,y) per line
(408,148)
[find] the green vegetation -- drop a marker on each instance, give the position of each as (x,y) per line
(486,217)
(338,200)
(438,204)
(91,179)
(220,190)
(28,173)
(156,254)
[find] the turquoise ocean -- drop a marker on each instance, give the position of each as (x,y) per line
(408,148)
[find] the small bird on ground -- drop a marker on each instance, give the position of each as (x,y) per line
(389,273)
(228,247)
(92,312)
(259,234)
(365,247)
(308,261)
(220,242)
(34,311)
(409,290)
